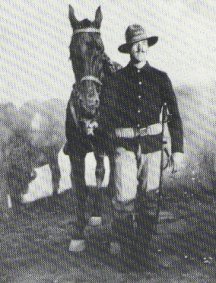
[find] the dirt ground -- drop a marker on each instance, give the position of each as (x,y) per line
(34,244)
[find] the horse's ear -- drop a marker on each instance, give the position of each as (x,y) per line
(72,17)
(98,17)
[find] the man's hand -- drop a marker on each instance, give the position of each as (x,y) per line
(177,162)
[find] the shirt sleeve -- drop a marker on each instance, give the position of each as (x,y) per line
(175,123)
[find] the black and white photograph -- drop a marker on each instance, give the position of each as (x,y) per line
(108,141)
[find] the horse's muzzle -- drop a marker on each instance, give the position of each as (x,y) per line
(90,106)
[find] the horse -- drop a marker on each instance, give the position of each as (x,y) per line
(36,138)
(90,64)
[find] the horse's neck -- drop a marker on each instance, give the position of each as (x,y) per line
(110,66)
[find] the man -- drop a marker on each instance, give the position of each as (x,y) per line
(131,104)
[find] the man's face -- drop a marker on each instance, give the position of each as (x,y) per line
(139,51)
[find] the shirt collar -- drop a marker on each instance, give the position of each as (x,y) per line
(131,67)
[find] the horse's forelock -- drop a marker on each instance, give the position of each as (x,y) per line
(86,23)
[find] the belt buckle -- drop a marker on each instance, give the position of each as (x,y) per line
(136,132)
(143,132)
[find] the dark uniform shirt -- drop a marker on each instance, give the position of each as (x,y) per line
(133,98)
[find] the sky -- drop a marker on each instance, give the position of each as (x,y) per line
(35,36)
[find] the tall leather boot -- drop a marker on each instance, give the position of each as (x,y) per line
(146,224)
(124,237)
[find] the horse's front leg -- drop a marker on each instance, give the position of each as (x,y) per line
(78,180)
(96,218)
(56,173)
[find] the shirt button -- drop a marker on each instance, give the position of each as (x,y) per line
(138,71)
(140,83)
(138,125)
(139,111)
(139,96)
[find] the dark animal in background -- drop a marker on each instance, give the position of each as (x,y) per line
(32,136)
(8,122)
(45,131)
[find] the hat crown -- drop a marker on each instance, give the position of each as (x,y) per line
(133,32)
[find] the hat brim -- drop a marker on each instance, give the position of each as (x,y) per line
(126,47)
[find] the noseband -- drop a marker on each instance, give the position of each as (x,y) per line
(91,78)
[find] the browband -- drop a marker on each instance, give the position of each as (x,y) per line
(86,30)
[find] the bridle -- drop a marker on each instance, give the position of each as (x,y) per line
(88,30)
(89,77)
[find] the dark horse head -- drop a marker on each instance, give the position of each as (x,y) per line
(87,56)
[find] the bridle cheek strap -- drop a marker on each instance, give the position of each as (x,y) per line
(73,112)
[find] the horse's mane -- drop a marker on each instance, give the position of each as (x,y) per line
(110,66)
